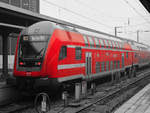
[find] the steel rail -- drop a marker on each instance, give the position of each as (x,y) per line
(115,92)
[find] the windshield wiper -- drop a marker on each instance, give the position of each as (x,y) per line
(40,53)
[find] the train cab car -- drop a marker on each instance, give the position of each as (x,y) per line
(48,54)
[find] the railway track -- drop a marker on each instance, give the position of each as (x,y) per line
(91,103)
(105,101)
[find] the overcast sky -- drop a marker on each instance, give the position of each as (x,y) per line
(102,15)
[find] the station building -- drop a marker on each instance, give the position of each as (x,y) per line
(32,5)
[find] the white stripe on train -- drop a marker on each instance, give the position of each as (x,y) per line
(70,66)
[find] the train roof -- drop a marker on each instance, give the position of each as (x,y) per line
(139,46)
(43,27)
(47,27)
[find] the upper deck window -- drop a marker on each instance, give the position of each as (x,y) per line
(85,40)
(127,54)
(117,44)
(106,43)
(97,42)
(114,44)
(121,45)
(135,55)
(110,44)
(101,42)
(91,41)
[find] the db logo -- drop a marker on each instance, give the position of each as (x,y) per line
(28,73)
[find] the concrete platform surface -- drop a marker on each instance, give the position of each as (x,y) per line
(139,103)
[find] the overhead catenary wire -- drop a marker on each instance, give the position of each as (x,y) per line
(114,18)
(81,27)
(95,21)
(100,12)
(135,25)
(141,6)
(78,14)
(128,3)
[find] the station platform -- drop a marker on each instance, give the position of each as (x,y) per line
(139,103)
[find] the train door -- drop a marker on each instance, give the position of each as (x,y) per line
(122,60)
(88,69)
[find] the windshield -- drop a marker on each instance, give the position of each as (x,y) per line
(33,46)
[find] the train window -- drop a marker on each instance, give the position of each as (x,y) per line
(111,65)
(121,45)
(118,64)
(110,45)
(97,67)
(113,43)
(91,41)
(96,41)
(107,66)
(102,66)
(101,42)
(106,44)
(63,52)
(86,41)
(127,55)
(135,55)
(117,44)
(78,53)
(115,65)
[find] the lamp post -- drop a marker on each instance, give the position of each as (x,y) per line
(138,36)
(116,30)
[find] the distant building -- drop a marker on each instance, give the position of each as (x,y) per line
(32,5)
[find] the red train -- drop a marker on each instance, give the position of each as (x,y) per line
(48,54)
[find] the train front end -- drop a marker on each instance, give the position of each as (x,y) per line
(30,64)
